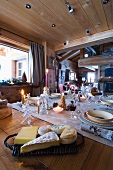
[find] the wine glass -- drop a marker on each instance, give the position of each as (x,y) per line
(72,108)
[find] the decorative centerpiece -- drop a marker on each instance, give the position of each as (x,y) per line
(24,78)
(63,103)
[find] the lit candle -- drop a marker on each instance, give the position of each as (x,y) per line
(58,109)
(83,98)
(38,104)
(11,83)
(62,94)
(22,93)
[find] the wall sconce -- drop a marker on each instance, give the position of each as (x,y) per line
(105,1)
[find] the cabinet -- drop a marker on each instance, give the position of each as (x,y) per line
(13,93)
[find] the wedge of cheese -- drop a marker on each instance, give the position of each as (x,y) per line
(45,141)
(68,136)
(26,134)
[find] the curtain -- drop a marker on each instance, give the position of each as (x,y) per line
(36,68)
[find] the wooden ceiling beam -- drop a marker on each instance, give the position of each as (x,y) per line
(67,56)
(76,58)
(14,40)
(74,55)
(97,60)
(95,39)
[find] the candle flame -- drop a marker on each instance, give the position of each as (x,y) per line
(38,103)
(22,92)
(47,70)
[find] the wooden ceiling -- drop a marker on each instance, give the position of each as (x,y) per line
(36,23)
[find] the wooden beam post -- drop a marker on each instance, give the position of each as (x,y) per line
(97,60)
(95,39)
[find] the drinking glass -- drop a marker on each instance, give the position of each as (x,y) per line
(72,109)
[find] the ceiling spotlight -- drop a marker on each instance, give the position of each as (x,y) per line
(53,25)
(28,6)
(71,10)
(87,32)
(86,55)
(67,42)
(105,1)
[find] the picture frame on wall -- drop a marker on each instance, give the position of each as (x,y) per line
(51,64)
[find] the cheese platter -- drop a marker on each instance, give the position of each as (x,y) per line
(44,144)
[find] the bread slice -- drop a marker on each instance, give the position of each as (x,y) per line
(45,141)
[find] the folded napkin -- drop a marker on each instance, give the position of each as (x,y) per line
(105,107)
(104,133)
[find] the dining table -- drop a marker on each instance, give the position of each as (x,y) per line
(92,155)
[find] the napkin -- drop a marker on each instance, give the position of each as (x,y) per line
(104,133)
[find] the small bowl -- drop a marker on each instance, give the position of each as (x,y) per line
(99,116)
(58,109)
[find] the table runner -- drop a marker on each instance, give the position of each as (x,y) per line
(63,118)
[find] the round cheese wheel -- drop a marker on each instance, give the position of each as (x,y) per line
(44,129)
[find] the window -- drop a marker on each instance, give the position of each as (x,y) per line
(72,76)
(91,77)
(13,63)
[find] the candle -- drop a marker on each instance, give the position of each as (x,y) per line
(22,93)
(83,98)
(38,104)
(11,83)
(24,98)
(58,109)
(62,94)
(47,77)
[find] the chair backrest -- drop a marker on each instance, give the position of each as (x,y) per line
(61,88)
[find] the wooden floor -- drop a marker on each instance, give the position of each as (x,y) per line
(91,156)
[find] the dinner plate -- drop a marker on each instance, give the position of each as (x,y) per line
(107,102)
(84,119)
(55,95)
(99,116)
(33,100)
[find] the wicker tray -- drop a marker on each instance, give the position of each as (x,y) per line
(56,150)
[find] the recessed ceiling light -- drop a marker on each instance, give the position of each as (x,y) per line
(28,6)
(53,25)
(105,1)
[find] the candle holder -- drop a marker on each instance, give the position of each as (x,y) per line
(27,112)
(58,109)
(27,115)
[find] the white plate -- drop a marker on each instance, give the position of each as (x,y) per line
(84,119)
(33,100)
(107,102)
(99,116)
(55,95)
